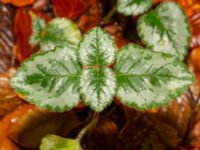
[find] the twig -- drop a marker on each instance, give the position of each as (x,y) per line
(89,126)
(106,19)
(194,103)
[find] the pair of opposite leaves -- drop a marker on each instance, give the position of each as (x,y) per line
(141,78)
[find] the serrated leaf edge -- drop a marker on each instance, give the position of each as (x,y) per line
(185,20)
(33,101)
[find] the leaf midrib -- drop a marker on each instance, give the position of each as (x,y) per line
(62,76)
(167,32)
(149,75)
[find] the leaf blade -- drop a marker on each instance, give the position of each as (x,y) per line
(53,142)
(97,48)
(169,30)
(58,32)
(45,79)
(146,78)
(97,87)
(133,7)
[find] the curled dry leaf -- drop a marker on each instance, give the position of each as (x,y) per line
(167,134)
(6,38)
(33,124)
(19,3)
(5,142)
(8,98)
(176,113)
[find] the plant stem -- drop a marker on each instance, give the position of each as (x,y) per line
(106,19)
(89,126)
(194,103)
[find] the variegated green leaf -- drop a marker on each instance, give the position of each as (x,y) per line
(53,142)
(58,32)
(97,48)
(166,30)
(38,25)
(50,80)
(98,87)
(133,7)
(146,78)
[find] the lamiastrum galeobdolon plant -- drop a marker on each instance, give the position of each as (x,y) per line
(69,68)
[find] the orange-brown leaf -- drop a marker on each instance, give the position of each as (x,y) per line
(91,17)
(69,8)
(18,3)
(22,30)
(195,27)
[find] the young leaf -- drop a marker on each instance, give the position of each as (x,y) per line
(97,48)
(146,78)
(50,80)
(53,142)
(59,32)
(98,87)
(166,29)
(133,7)
(38,25)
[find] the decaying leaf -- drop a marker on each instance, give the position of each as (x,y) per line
(8,98)
(29,124)
(22,31)
(106,127)
(90,18)
(6,38)
(190,7)
(116,31)
(5,142)
(195,27)
(152,143)
(177,114)
(195,135)
(18,3)
(194,62)
(168,134)
(69,8)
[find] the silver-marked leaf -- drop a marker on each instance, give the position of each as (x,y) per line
(166,30)
(98,87)
(53,142)
(97,48)
(133,7)
(146,78)
(58,32)
(50,80)
(38,25)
